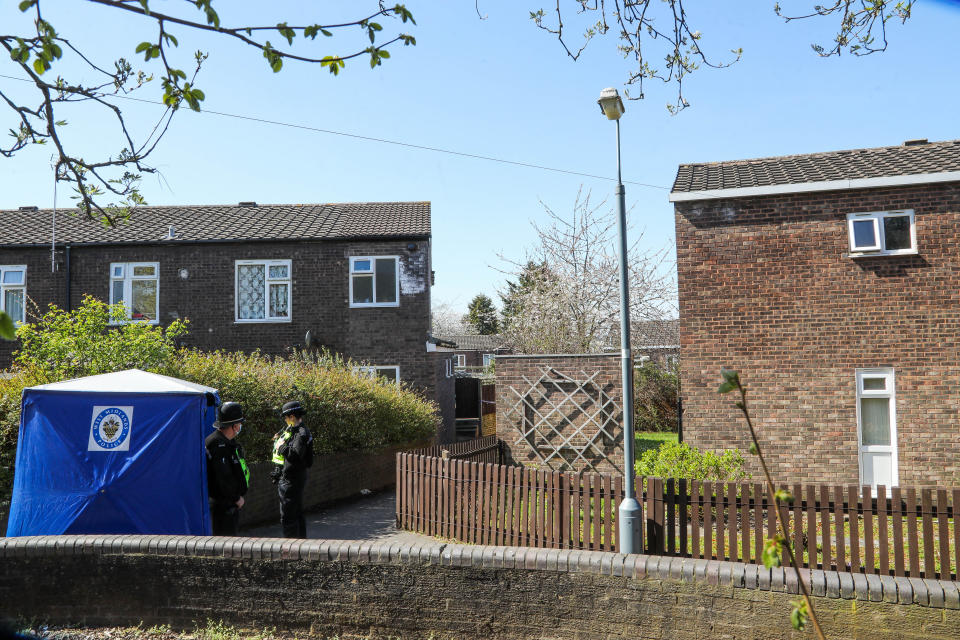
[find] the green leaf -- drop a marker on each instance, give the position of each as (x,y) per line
(7,330)
(784,496)
(170,39)
(799,615)
(771,553)
(26,4)
(754,449)
(725,387)
(40,65)
(143,46)
(730,375)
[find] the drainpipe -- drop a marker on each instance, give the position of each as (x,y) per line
(66,253)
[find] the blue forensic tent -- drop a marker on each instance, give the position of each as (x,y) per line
(114,453)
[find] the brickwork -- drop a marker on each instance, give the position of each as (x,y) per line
(516,374)
(388,336)
(362,589)
(767,286)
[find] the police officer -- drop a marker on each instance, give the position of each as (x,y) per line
(293,455)
(227,472)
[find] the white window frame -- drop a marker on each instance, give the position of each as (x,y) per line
(267,281)
(373,273)
(448,367)
(877,217)
(374,370)
(488,359)
(461,361)
(127,278)
(13,287)
(890,392)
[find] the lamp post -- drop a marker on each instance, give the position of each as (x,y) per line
(628,517)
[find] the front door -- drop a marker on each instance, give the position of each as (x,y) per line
(877,427)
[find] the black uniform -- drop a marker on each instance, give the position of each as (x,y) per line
(297,453)
(226,482)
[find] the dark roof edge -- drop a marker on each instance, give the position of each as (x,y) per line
(46,245)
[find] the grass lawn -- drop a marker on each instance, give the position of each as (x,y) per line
(647,440)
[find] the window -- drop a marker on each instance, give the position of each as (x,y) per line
(374,282)
(488,359)
(263,290)
(13,291)
(884,233)
(448,366)
(389,373)
(136,285)
(461,361)
(877,427)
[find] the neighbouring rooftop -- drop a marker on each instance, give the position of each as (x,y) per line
(212,223)
(913,162)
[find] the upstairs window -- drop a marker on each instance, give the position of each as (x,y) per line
(884,233)
(263,290)
(136,285)
(461,361)
(13,291)
(374,281)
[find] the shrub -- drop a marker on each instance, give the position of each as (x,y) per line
(680,460)
(655,392)
(346,409)
(68,344)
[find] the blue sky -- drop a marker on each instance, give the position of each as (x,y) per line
(499,87)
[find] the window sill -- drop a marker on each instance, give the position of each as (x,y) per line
(126,322)
(881,254)
(262,320)
(374,305)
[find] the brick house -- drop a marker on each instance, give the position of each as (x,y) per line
(831,282)
(354,278)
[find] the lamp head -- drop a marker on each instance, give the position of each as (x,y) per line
(610,104)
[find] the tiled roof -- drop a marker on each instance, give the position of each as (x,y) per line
(224,222)
(656,334)
(914,158)
(476,343)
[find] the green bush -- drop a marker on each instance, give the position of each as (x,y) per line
(346,409)
(655,392)
(69,344)
(680,460)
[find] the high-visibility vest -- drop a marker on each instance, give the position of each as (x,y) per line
(280,441)
(246,469)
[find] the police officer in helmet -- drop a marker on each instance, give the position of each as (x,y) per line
(292,455)
(227,472)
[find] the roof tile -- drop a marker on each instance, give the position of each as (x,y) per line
(881,162)
(223,222)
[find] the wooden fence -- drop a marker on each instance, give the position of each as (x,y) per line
(486,449)
(903,531)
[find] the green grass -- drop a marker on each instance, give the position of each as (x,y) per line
(647,440)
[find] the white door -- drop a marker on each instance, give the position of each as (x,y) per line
(877,427)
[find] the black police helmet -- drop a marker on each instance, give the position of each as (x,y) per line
(228,414)
(293,408)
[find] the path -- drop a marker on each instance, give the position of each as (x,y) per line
(368,517)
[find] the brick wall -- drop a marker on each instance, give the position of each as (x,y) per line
(362,589)
(516,375)
(388,336)
(766,286)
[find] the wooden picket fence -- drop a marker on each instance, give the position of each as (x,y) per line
(902,531)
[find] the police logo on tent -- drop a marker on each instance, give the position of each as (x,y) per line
(110,429)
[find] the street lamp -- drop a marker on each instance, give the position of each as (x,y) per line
(628,519)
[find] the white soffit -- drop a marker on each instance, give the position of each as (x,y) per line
(828,185)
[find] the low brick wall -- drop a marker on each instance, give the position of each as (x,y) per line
(365,589)
(333,476)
